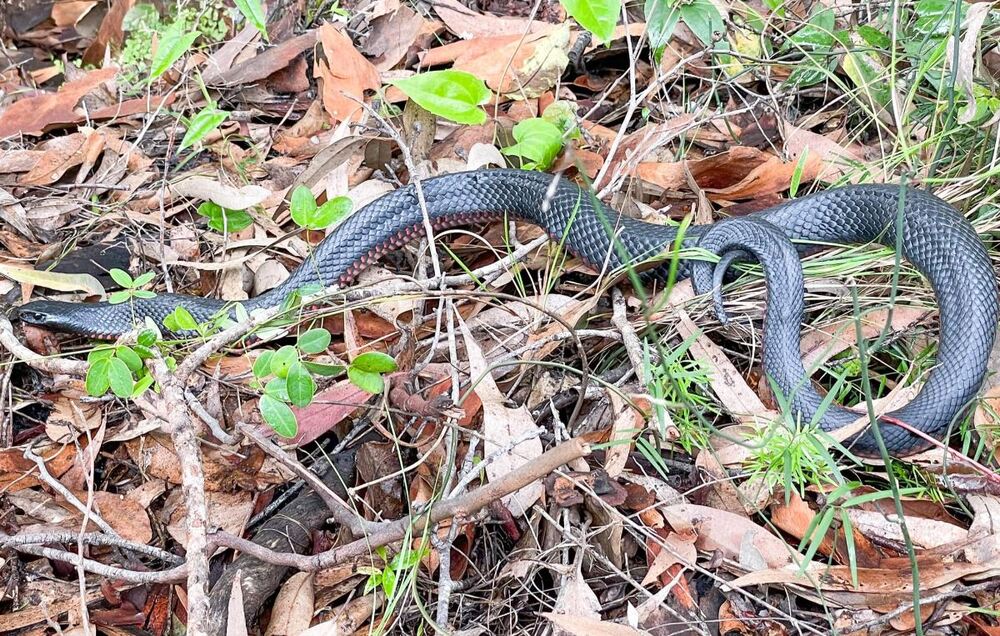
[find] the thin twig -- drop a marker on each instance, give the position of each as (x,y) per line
(393,531)
(89,538)
(72,499)
(340,511)
(34,360)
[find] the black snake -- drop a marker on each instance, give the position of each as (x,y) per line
(935,239)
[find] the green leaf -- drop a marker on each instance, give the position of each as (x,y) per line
(300,384)
(331,212)
(120,378)
(144,383)
(597,16)
(121,277)
(366,381)
(262,365)
(139,16)
(314,341)
(147,338)
(874,37)
(143,293)
(97,381)
(302,206)
(282,359)
(934,17)
(811,70)
(231,221)
(143,351)
(172,45)
(815,34)
(277,388)
(253,11)
(204,122)
(661,20)
(100,353)
(538,141)
(325,370)
(143,279)
(180,319)
(374,362)
(223,219)
(130,358)
(278,416)
(562,113)
(454,95)
(210,209)
(703,19)
(119,297)
(868,75)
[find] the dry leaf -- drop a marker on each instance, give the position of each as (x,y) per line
(508,432)
(236,620)
(467,23)
(576,599)
(346,75)
(110,32)
(737,537)
(35,114)
(292,611)
(583,626)
(227,196)
(58,281)
(521,69)
(126,516)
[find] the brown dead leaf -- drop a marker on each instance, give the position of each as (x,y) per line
(293,608)
(69,12)
(720,171)
(125,515)
(206,189)
(584,626)
(728,385)
(68,418)
(61,155)
(521,69)
(229,511)
(680,549)
(14,214)
(895,578)
(393,35)
(467,23)
(328,408)
(836,159)
(736,536)
(263,65)
(576,599)
(774,175)
(346,75)
(33,115)
(820,345)
(628,423)
(18,472)
(110,32)
(507,431)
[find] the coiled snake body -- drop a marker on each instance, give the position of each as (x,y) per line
(935,239)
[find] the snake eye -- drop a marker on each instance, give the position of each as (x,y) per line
(33,317)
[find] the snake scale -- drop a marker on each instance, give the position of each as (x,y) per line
(935,239)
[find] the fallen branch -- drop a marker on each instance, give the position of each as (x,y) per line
(390,532)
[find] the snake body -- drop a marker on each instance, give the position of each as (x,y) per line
(935,239)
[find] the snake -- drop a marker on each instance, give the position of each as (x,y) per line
(935,238)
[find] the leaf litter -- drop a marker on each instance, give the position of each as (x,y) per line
(679,516)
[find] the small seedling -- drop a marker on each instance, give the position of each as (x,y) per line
(131,287)
(121,368)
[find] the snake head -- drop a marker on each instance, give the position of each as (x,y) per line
(53,315)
